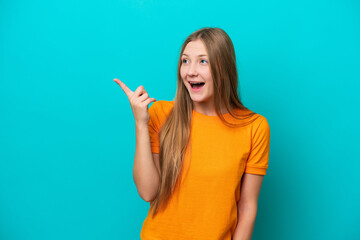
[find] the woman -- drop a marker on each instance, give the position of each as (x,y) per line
(200,160)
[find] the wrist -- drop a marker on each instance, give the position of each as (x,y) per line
(141,126)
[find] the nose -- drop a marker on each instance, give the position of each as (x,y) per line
(192,70)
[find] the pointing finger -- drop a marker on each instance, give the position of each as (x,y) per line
(127,91)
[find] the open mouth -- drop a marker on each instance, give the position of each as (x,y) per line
(197,85)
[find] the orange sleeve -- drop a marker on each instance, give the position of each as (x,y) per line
(154,128)
(257,162)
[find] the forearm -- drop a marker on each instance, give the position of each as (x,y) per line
(246,222)
(145,174)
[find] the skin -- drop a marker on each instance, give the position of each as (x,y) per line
(139,101)
(196,67)
(247,206)
(146,170)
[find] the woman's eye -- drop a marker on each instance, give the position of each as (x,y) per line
(204,60)
(184,60)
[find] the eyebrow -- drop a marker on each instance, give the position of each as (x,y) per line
(200,55)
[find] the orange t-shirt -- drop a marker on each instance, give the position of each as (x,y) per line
(205,204)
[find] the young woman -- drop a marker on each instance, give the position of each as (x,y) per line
(200,159)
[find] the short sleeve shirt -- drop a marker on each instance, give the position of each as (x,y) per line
(204,205)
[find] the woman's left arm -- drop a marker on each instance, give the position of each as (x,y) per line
(247,206)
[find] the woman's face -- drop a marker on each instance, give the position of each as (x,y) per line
(195,67)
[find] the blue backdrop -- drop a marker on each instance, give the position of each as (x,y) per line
(67,138)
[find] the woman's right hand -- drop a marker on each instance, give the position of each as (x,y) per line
(139,101)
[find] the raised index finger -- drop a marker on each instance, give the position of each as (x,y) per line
(127,91)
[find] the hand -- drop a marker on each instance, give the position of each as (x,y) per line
(139,101)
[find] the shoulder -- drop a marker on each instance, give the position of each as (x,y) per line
(162,106)
(259,119)
(260,124)
(161,109)
(251,118)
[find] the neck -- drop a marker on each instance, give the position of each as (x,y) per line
(207,109)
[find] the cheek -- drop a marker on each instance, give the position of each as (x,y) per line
(182,75)
(181,72)
(205,72)
(208,77)
(210,83)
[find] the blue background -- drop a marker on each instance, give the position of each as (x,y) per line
(67,138)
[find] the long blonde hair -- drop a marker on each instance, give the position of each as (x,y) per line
(175,132)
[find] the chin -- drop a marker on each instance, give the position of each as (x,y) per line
(197,99)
